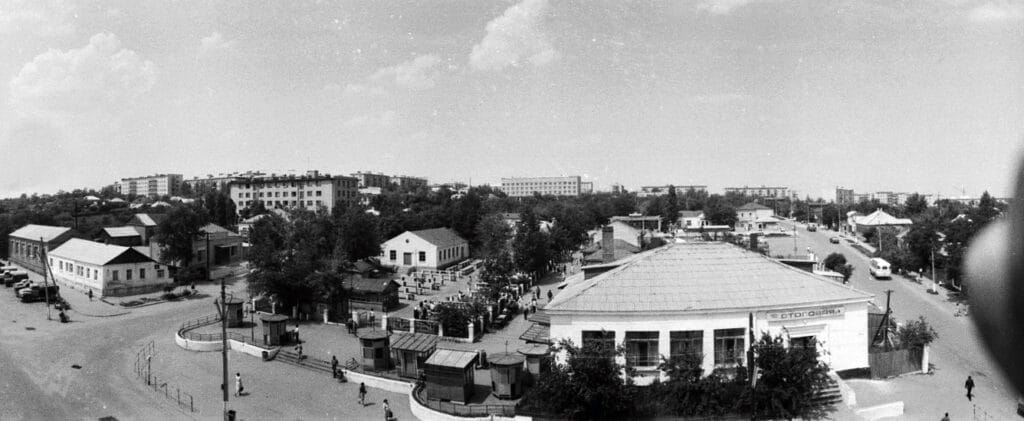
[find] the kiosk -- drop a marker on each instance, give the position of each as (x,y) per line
(375,349)
(411,351)
(534,353)
(450,375)
(233,312)
(507,375)
(274,332)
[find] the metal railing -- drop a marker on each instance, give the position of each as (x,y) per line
(462,410)
(186,333)
(143,370)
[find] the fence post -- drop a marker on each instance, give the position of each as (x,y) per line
(179,395)
(191,407)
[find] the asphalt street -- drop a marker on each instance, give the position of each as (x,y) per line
(957,353)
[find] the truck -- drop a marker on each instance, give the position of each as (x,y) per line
(37,292)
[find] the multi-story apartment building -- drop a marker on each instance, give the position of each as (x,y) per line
(844,196)
(406,182)
(555,186)
(369,179)
(310,191)
(765,192)
(219,181)
(151,185)
(586,187)
(649,191)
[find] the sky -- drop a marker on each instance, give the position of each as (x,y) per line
(923,96)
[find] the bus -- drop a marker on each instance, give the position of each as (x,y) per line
(880,269)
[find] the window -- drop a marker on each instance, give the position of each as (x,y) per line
(599,337)
(729,346)
(642,349)
(686,343)
(113,275)
(96,274)
(142,273)
(159,273)
(128,274)
(423,256)
(319,193)
(393,255)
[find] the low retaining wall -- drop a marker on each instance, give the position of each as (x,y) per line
(375,382)
(888,410)
(424,413)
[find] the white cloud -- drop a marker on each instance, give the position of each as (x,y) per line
(371,122)
(214,43)
(997,12)
(99,75)
(515,38)
(37,17)
(721,7)
(417,74)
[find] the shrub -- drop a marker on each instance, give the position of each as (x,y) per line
(169,296)
(916,334)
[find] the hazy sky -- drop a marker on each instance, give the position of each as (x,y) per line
(875,95)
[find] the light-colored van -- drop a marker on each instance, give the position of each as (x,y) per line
(880,269)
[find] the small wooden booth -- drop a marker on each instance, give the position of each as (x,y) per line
(274,331)
(372,294)
(233,312)
(375,349)
(450,375)
(411,351)
(534,354)
(507,375)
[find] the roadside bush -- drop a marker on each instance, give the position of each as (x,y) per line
(916,334)
(169,296)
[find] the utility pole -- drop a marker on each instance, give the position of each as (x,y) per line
(223,327)
(883,327)
(46,291)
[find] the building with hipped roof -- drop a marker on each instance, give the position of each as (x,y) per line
(704,299)
(755,217)
(107,270)
(435,248)
(27,244)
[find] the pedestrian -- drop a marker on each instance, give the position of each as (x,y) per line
(238,384)
(526,314)
(297,333)
(969,385)
(298,351)
(334,366)
(945,418)
(387,410)
(416,313)
(550,295)
(362,394)
(90,295)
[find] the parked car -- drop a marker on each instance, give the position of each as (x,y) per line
(13,278)
(22,284)
(38,292)
(812,227)
(834,240)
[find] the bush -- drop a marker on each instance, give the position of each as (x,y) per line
(916,334)
(169,296)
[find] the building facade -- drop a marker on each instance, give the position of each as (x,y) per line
(649,191)
(27,244)
(554,186)
(379,180)
(107,270)
(429,249)
(151,185)
(700,299)
(219,182)
(754,217)
(844,196)
(312,191)
(765,192)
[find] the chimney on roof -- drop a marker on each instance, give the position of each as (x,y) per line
(607,244)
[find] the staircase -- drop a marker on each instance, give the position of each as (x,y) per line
(289,357)
(828,396)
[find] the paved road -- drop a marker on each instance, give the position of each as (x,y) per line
(956,354)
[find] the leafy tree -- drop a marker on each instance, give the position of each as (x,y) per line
(787,379)
(916,334)
(589,385)
(357,234)
(531,247)
(845,270)
(670,208)
(176,234)
(492,236)
(833,261)
(915,205)
(719,212)
(220,208)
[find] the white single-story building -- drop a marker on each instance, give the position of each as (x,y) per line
(427,249)
(699,298)
(107,270)
(691,219)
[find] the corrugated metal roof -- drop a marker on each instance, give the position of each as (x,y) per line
(694,277)
(33,232)
(537,333)
(451,358)
(753,206)
(440,237)
(147,219)
(690,214)
(417,342)
(89,251)
(121,232)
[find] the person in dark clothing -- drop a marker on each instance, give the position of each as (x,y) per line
(362,394)
(90,295)
(334,366)
(550,295)
(969,385)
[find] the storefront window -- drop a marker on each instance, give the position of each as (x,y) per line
(729,346)
(642,349)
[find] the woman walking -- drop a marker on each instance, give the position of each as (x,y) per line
(362,394)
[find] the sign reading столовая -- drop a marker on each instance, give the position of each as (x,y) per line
(810,313)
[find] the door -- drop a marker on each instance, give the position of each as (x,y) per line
(809,343)
(407,259)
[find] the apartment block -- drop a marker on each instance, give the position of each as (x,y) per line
(311,191)
(150,185)
(650,191)
(555,186)
(369,179)
(765,192)
(219,181)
